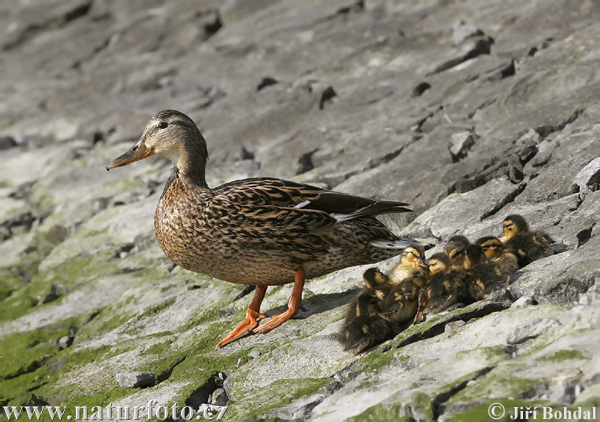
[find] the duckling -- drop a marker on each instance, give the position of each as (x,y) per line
(367,322)
(364,326)
(446,285)
(412,257)
(365,332)
(494,249)
(483,276)
(369,301)
(455,249)
(528,246)
(404,304)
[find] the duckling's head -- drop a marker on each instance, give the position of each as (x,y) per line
(513,225)
(455,249)
(492,246)
(174,135)
(373,278)
(413,256)
(439,262)
(473,255)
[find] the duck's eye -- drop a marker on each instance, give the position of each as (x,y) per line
(163,125)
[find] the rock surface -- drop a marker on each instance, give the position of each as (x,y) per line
(468,111)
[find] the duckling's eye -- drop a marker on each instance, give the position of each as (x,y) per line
(162,125)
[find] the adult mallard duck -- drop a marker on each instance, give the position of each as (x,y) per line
(259,231)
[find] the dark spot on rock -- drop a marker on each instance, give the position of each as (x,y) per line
(420,89)
(201,395)
(327,95)
(527,154)
(359,6)
(584,235)
(245,291)
(266,81)
(305,162)
(481,46)
(247,154)
(167,374)
(544,131)
(7,142)
(213,24)
(98,136)
(224,313)
(78,12)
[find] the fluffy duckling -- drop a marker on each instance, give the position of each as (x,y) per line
(455,249)
(364,326)
(483,276)
(369,301)
(528,246)
(365,332)
(493,249)
(412,258)
(405,302)
(446,285)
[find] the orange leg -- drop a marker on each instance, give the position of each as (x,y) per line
(420,317)
(294,305)
(250,322)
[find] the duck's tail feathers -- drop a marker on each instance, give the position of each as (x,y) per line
(400,243)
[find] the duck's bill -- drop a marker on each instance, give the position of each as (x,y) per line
(137,152)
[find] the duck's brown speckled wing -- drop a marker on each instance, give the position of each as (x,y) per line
(283,193)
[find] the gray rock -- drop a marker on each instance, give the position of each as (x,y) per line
(56,291)
(254,354)
(588,178)
(530,330)
(136,379)
(522,301)
(219,397)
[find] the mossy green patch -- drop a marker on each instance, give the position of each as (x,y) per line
(9,282)
(495,382)
(157,309)
(24,359)
(280,393)
(502,409)
(70,273)
(561,355)
(381,412)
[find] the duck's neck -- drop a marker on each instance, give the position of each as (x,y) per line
(191,167)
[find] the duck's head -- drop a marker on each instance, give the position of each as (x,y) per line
(373,278)
(513,225)
(473,255)
(492,246)
(171,134)
(438,263)
(455,249)
(413,256)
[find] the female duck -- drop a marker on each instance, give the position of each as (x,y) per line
(260,231)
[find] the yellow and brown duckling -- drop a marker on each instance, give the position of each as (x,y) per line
(259,231)
(446,285)
(456,249)
(364,332)
(494,249)
(364,326)
(404,305)
(528,246)
(483,275)
(369,300)
(411,259)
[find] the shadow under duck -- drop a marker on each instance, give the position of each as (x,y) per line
(258,231)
